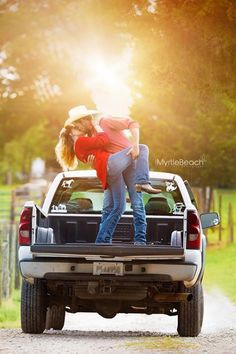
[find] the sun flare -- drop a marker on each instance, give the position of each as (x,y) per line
(108,83)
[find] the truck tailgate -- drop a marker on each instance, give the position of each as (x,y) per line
(101,250)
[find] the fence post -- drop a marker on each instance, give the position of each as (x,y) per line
(1,292)
(230,223)
(197,197)
(220,213)
(17,272)
(202,198)
(213,200)
(13,206)
(12,257)
(5,262)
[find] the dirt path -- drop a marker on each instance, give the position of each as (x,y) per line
(90,333)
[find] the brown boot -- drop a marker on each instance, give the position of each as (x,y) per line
(147,188)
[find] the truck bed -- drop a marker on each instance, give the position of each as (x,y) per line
(83,228)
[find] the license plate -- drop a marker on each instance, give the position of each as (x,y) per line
(115,268)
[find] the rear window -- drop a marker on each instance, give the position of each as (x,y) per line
(85,196)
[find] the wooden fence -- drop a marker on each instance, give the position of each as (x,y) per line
(223,202)
(9,272)
(11,205)
(5,205)
(12,202)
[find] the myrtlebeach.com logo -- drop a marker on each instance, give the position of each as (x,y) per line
(182,163)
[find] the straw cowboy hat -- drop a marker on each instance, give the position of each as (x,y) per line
(78,112)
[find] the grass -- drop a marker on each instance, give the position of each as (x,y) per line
(10,312)
(221,270)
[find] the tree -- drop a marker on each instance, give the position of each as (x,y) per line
(188,95)
(182,74)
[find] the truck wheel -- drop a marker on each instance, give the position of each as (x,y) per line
(33,307)
(191,313)
(55,317)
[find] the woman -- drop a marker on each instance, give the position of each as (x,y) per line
(73,145)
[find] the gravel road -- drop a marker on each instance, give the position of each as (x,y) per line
(90,333)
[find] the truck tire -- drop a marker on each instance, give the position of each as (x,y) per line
(33,307)
(55,317)
(190,315)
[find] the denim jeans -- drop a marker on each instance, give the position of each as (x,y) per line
(123,170)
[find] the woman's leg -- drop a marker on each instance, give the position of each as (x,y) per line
(107,205)
(106,208)
(107,227)
(114,196)
(136,200)
(117,164)
(120,161)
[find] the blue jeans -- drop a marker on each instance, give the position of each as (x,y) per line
(123,170)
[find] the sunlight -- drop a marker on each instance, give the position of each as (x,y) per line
(108,83)
(104,74)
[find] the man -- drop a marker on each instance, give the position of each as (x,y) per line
(114,128)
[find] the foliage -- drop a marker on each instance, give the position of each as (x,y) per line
(188,89)
(182,77)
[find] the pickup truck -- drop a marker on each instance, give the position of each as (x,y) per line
(64,270)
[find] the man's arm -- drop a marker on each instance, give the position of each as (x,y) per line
(118,123)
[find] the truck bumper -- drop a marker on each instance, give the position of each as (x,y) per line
(139,271)
(158,267)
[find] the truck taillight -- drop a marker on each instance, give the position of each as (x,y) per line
(193,231)
(24,235)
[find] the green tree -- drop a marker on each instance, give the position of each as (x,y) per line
(187,108)
(182,77)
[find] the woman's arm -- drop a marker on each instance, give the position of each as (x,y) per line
(86,143)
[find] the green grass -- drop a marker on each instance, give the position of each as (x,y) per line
(221,270)
(10,312)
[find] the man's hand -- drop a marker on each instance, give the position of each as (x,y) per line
(134,152)
(90,160)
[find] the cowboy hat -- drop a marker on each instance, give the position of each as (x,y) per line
(78,112)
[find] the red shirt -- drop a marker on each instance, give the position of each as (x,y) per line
(96,145)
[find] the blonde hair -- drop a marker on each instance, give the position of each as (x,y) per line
(64,150)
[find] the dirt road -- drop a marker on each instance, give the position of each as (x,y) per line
(90,333)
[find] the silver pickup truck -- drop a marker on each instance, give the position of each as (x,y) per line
(63,269)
